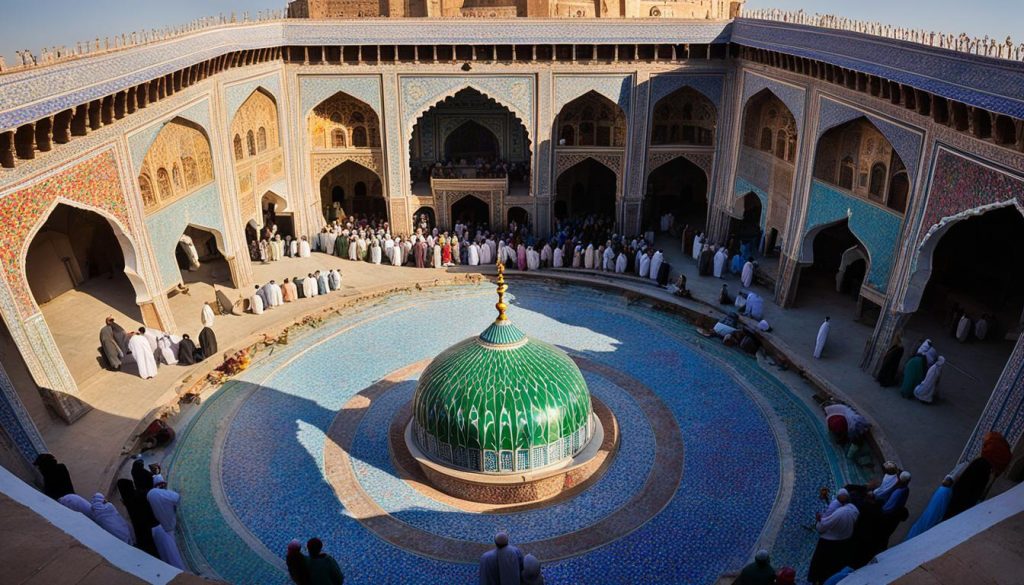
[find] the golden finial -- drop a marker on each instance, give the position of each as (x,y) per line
(500,305)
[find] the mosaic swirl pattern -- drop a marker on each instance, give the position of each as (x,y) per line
(251,465)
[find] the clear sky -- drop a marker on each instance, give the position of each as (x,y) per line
(33,24)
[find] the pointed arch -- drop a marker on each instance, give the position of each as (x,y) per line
(179,144)
(922,263)
(858,157)
(595,121)
(354,118)
(770,126)
(684,117)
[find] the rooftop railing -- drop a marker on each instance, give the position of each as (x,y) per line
(26,59)
(987,46)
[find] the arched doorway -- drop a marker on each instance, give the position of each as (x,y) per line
(272,205)
(75,266)
(352,189)
(471,211)
(471,142)
(424,219)
(518,215)
(972,273)
(678,187)
(199,253)
(746,229)
(587,188)
(469,135)
(827,281)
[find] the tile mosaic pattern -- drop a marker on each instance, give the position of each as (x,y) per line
(877,228)
(139,142)
(503,397)
(961,184)
(16,422)
(235,95)
(200,209)
(315,89)
(709,85)
(617,88)
(905,142)
(270,469)
(743,186)
(514,92)
(993,84)
(790,95)
(93,184)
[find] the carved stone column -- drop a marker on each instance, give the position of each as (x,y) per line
(543,171)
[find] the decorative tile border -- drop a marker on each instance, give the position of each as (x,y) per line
(314,89)
(907,143)
(617,87)
(236,94)
(876,228)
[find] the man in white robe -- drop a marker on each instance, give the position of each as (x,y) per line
(375,251)
(276,296)
(963,328)
(334,279)
(645,265)
(473,256)
(303,248)
(105,514)
(747,276)
(532,259)
(931,355)
(608,259)
(620,263)
(189,247)
(293,248)
(720,259)
(309,286)
(486,253)
(389,248)
(558,258)
(142,352)
(353,248)
(819,343)
(927,390)
(698,240)
(577,257)
(206,317)
(166,350)
(588,257)
(656,261)
(545,255)
(436,257)
(256,302)
(164,504)
(493,246)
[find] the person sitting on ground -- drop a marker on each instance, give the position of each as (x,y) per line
(759,572)
(323,569)
(681,290)
(727,325)
(503,564)
(297,563)
(755,306)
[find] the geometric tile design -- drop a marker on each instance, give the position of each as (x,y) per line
(93,184)
(315,89)
(252,460)
(200,209)
(877,228)
(617,88)
(708,85)
(906,143)
(503,395)
(514,92)
(790,95)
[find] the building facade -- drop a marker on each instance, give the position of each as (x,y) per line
(779,130)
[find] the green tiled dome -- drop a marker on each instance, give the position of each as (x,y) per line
(502,403)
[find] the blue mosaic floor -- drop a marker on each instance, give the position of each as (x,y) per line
(251,464)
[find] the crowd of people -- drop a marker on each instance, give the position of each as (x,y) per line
(478,168)
(151,506)
(921,373)
(147,347)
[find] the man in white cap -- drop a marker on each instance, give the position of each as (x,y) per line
(105,514)
(835,530)
(894,508)
(502,565)
(164,503)
(889,479)
(759,572)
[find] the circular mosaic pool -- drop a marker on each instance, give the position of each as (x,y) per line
(716,457)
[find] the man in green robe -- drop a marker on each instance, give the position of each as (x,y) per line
(913,373)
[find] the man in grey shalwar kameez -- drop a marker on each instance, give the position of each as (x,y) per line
(111,342)
(501,565)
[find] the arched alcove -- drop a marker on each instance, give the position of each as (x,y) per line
(591,120)
(341,122)
(352,189)
(856,157)
(678,187)
(470,210)
(685,117)
(177,164)
(586,188)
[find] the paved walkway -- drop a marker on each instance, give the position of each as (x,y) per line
(928,439)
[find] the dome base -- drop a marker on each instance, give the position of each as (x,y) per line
(520,488)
